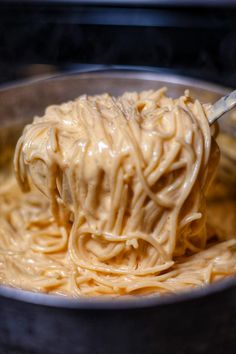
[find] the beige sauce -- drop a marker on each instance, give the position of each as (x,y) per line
(114,199)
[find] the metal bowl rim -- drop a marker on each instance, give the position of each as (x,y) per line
(114,71)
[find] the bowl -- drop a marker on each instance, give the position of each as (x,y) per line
(198,321)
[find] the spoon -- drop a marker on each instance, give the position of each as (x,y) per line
(220,107)
(226,140)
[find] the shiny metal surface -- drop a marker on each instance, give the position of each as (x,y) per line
(222,106)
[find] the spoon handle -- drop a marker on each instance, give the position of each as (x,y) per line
(223,105)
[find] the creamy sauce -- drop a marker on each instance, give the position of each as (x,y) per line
(114,199)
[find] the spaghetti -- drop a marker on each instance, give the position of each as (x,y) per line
(114,199)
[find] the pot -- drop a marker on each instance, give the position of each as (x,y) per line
(198,321)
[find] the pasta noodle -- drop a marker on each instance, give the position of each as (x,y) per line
(113,199)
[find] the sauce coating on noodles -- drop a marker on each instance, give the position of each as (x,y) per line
(113,199)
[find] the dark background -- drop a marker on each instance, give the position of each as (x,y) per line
(193,38)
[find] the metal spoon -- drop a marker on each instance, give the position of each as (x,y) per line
(226,140)
(223,105)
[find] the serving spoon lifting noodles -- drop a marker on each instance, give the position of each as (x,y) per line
(226,140)
(220,107)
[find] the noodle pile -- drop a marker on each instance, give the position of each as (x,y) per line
(113,199)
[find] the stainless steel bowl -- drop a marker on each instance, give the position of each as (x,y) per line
(198,321)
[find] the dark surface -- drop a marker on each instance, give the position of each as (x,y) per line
(200,326)
(133,3)
(198,41)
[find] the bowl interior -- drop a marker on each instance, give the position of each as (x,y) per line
(20,103)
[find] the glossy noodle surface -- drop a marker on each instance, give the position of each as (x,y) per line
(110,199)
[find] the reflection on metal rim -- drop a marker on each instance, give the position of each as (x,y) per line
(110,303)
(129,72)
